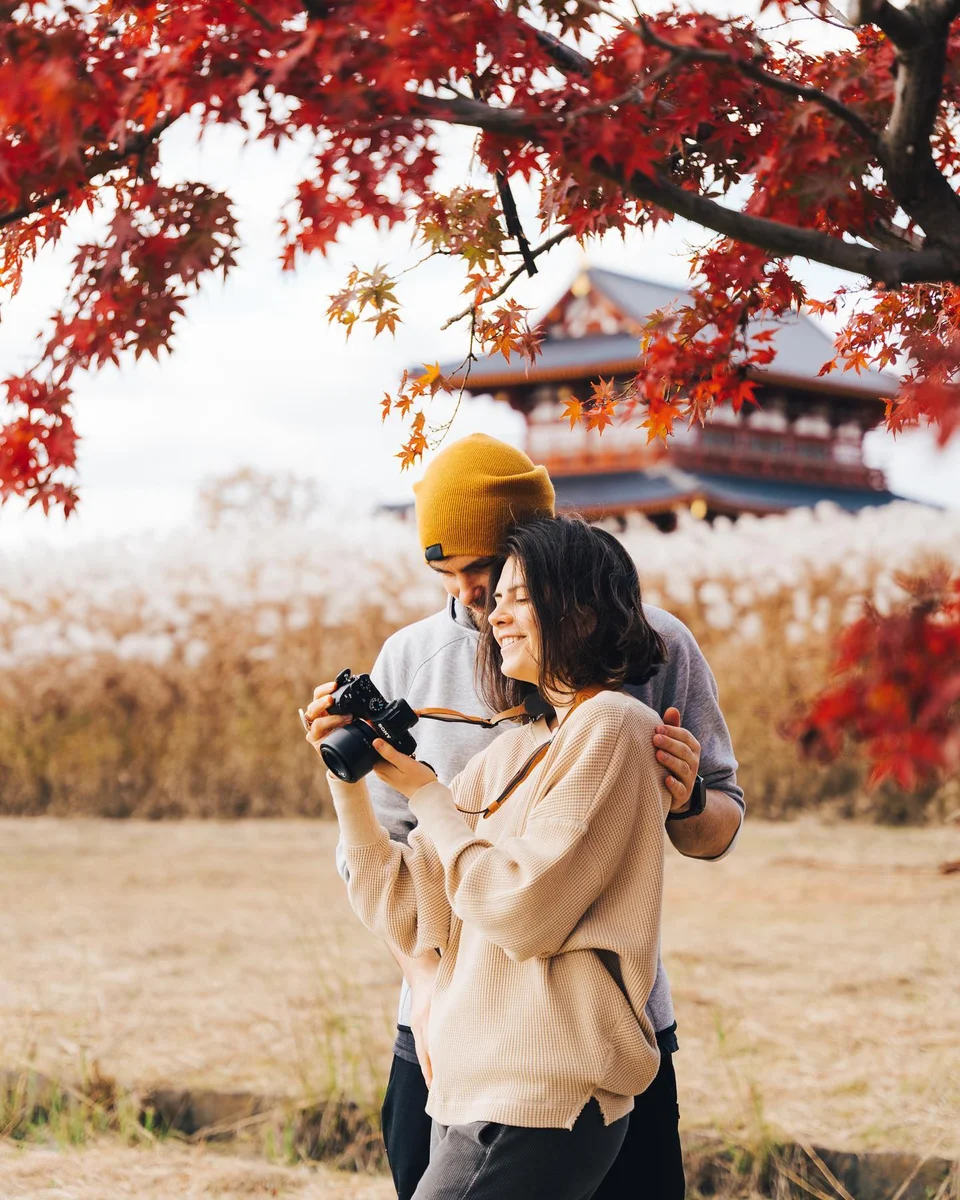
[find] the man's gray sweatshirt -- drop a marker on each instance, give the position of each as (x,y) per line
(431,664)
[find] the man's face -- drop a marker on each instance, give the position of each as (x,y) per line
(467,579)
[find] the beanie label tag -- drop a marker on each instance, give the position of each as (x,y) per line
(434,553)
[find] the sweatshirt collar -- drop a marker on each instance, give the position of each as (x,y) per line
(459,615)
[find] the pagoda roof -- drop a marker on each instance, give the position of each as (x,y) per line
(664,487)
(801,344)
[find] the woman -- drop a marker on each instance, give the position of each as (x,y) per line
(537,874)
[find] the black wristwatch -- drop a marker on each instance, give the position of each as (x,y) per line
(698,802)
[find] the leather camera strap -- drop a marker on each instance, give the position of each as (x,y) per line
(451,716)
(535,758)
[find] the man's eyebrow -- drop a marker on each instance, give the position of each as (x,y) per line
(478,564)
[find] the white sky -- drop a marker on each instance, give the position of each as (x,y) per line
(259,378)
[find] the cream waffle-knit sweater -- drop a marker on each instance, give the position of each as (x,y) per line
(546,915)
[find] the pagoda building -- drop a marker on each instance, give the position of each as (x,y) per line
(802,443)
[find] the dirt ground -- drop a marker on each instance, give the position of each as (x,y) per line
(105,1171)
(815,973)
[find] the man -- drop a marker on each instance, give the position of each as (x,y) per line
(469,497)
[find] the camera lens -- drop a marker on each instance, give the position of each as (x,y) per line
(349,752)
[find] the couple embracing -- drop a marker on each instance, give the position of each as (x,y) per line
(517,879)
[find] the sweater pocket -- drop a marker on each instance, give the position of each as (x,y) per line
(633,1058)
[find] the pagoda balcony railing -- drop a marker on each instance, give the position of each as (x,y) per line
(738,460)
(597,462)
(758,465)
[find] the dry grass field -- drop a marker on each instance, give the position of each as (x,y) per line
(816,975)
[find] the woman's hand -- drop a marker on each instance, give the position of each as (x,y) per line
(401,771)
(316,720)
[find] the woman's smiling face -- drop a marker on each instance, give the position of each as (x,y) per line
(514,625)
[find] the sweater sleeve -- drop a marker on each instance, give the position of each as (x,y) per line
(390,674)
(396,890)
(528,892)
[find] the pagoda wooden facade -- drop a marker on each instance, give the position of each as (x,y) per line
(801,444)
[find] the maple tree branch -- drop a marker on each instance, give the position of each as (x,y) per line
(752,70)
(899,24)
(511,279)
(930,265)
(889,267)
(885,235)
(564,56)
(512,220)
(919,34)
(107,160)
(257,15)
(475,113)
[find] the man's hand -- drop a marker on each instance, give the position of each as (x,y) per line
(679,751)
(401,771)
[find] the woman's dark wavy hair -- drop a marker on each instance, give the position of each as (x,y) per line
(585,594)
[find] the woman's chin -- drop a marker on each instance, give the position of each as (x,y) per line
(520,673)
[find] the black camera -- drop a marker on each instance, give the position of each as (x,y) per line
(349,752)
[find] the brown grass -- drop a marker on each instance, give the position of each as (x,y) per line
(815,971)
(109,736)
(207,726)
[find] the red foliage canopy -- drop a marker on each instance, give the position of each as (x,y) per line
(846,156)
(887,696)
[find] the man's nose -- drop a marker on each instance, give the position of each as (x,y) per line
(470,593)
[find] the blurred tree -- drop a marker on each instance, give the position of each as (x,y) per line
(251,497)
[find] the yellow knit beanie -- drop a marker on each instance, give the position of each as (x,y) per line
(473,493)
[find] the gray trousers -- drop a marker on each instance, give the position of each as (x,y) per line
(488,1161)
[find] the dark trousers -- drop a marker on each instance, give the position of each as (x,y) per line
(648,1167)
(487,1160)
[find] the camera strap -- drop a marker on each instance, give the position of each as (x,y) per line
(533,706)
(451,716)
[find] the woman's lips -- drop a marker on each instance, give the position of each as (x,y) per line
(511,640)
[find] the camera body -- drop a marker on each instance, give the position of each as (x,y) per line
(349,752)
